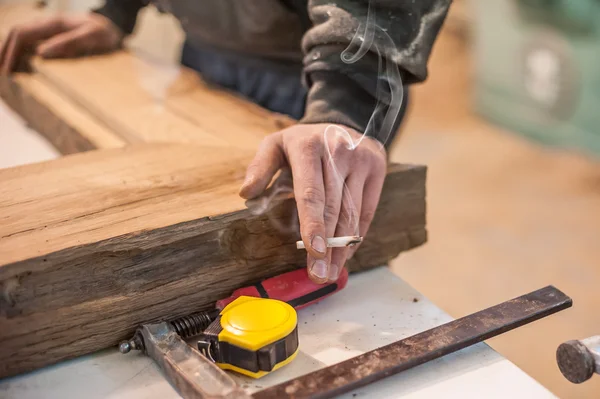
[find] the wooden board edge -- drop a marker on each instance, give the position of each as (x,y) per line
(69,128)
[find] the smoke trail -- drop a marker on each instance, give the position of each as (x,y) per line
(282,188)
(156,67)
(364,41)
(156,77)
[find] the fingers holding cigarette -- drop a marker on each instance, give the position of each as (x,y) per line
(336,242)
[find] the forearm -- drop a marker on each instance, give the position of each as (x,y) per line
(392,47)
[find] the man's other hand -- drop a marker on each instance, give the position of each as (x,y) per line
(59,36)
(337,176)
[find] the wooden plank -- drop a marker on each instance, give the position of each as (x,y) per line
(65,125)
(146,101)
(93,244)
(106,115)
(127,94)
(132,98)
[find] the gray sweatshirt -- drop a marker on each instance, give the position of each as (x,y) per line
(354,53)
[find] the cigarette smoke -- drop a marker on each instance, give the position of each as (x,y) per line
(389,91)
(390,94)
(282,188)
(163,66)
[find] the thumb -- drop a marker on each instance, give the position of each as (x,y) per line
(268,160)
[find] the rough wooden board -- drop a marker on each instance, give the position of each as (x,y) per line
(93,244)
(67,126)
(78,200)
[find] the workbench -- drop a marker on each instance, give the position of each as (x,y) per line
(376,308)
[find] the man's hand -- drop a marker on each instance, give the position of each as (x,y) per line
(59,36)
(337,175)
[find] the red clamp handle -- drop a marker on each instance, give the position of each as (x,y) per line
(295,288)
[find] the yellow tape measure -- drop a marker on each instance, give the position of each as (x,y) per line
(252,336)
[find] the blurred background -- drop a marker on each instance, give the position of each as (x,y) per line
(508,125)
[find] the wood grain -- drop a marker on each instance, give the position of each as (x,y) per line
(93,244)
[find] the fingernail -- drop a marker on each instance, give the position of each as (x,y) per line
(245,184)
(246,181)
(318,244)
(319,269)
(334,272)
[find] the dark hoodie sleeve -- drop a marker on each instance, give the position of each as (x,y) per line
(123,13)
(395,37)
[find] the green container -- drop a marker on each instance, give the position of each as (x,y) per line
(537,66)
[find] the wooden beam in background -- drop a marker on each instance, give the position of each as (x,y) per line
(116,99)
(68,127)
(145,102)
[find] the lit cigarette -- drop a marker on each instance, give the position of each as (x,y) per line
(336,242)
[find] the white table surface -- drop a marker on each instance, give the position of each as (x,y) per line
(376,308)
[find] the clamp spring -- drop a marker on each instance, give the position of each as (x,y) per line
(194,324)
